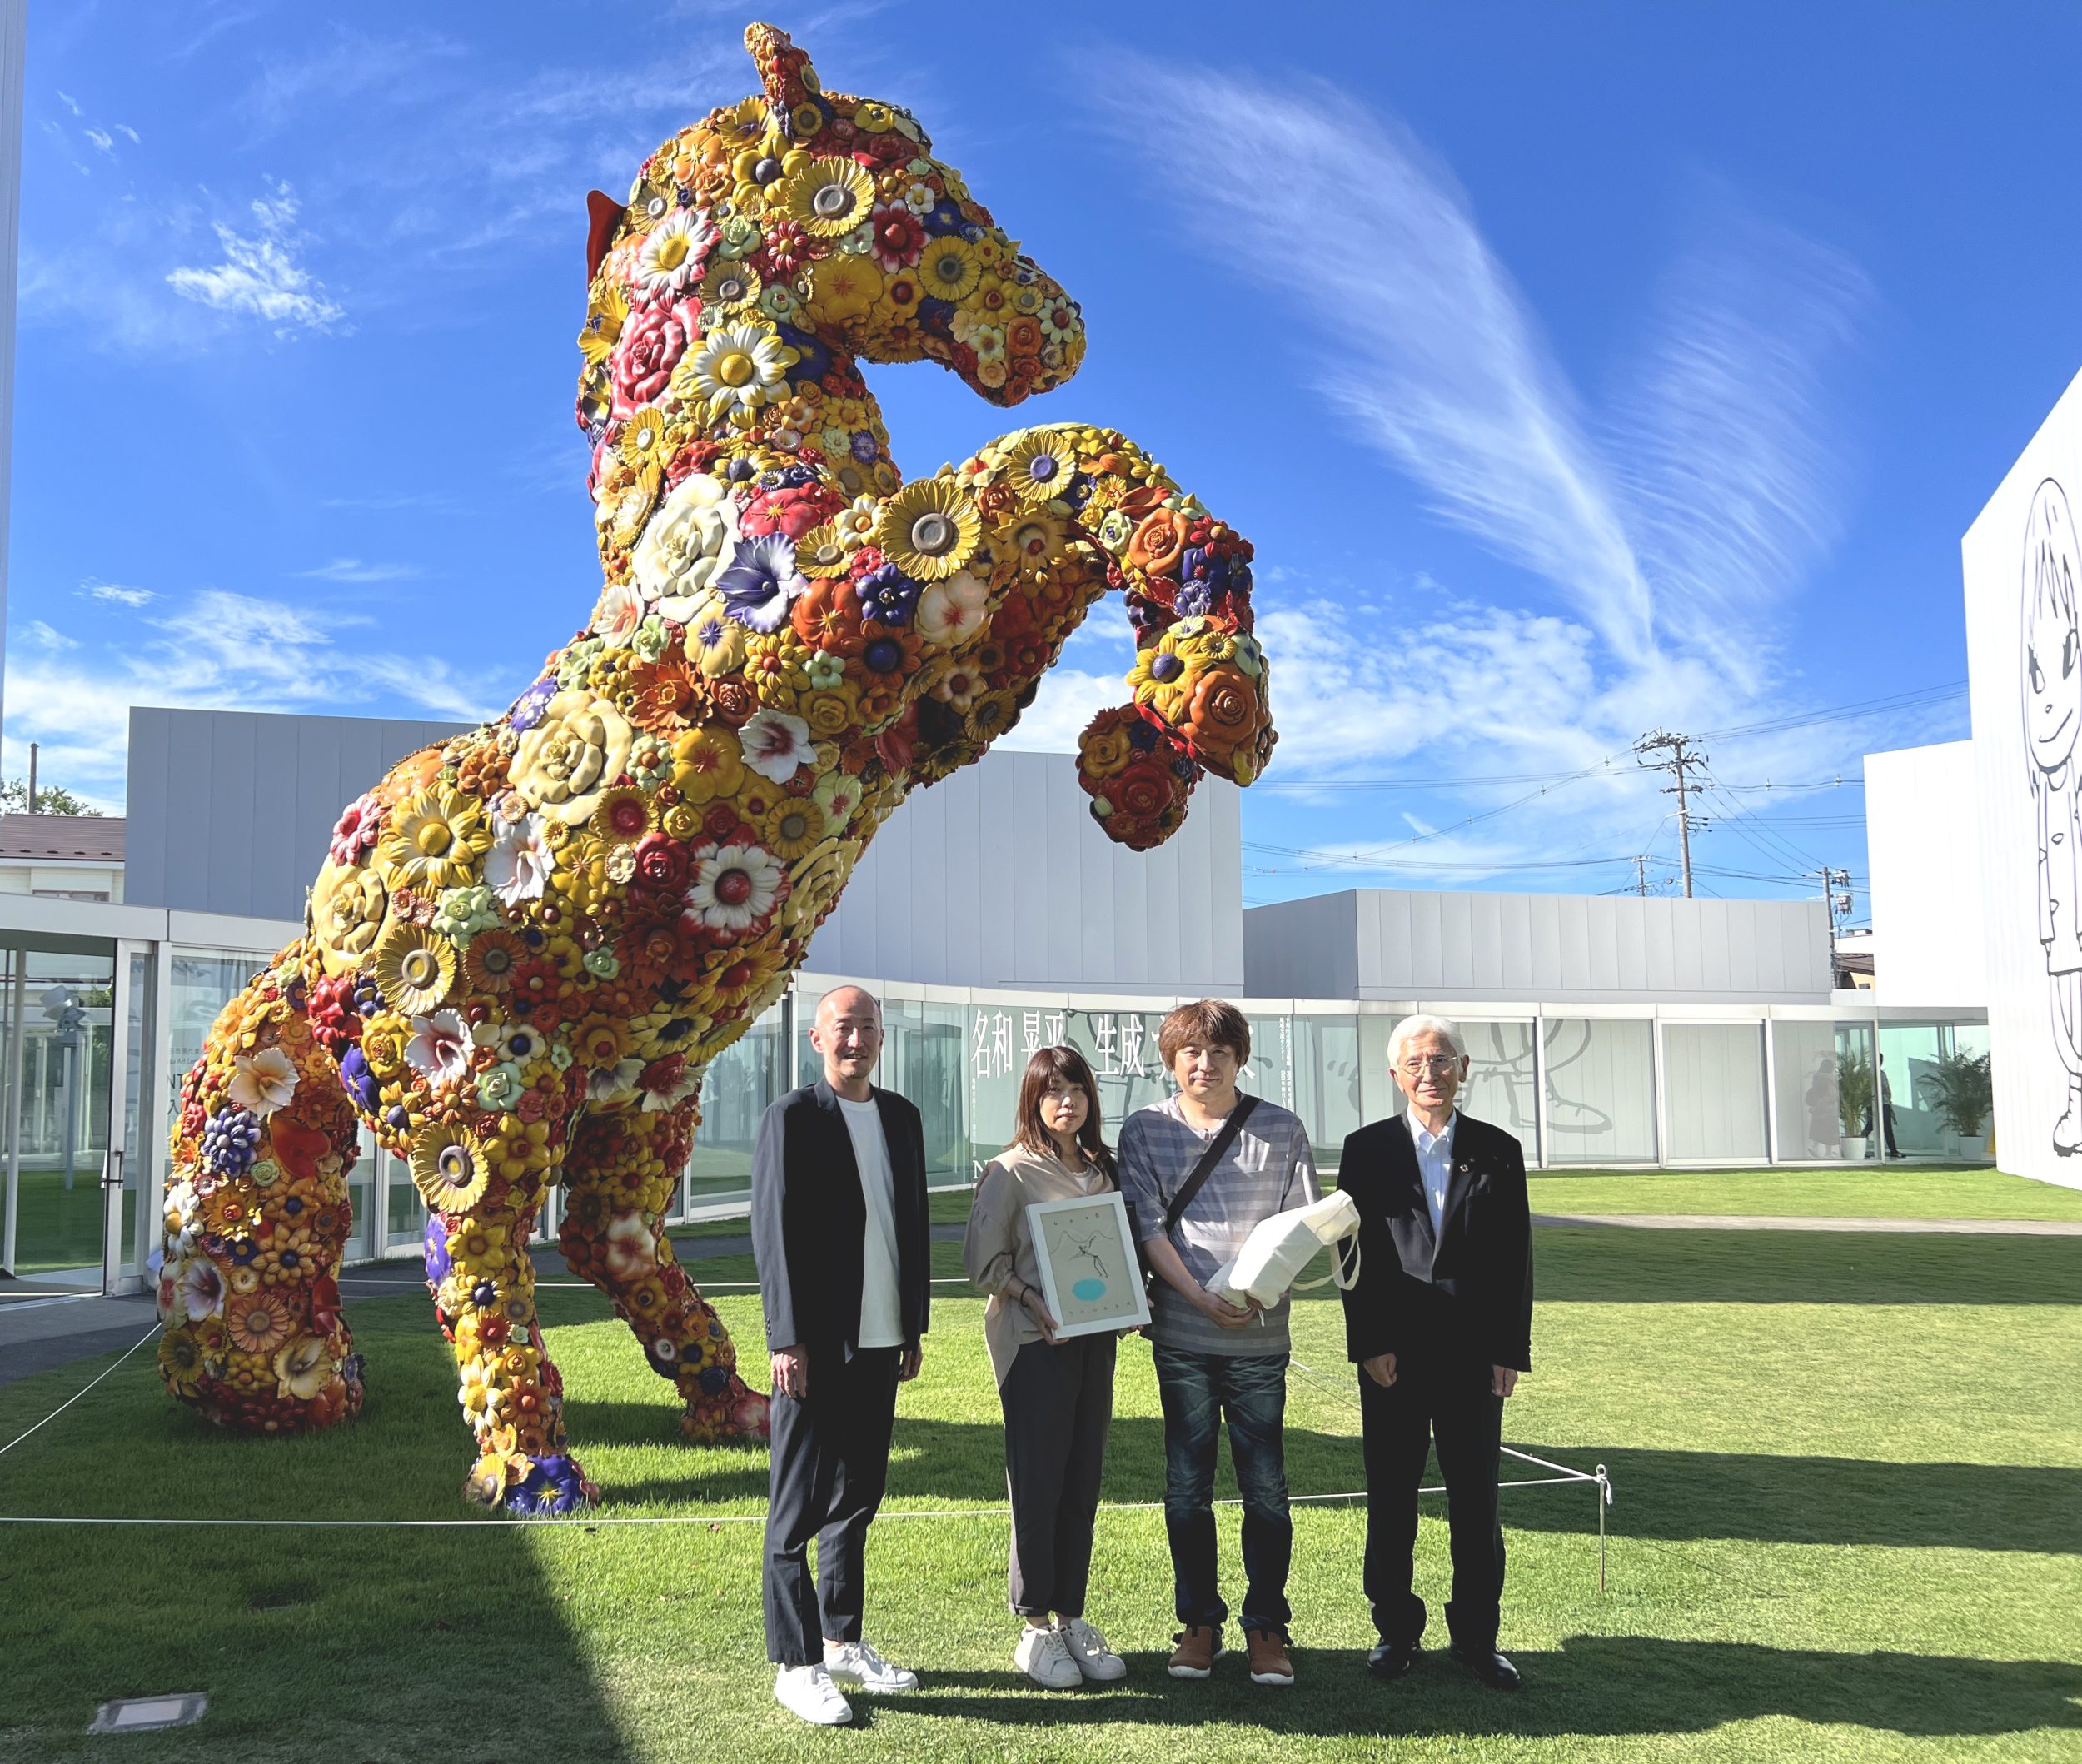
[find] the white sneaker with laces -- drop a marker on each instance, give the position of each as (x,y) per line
(808,1691)
(1088,1647)
(1043,1655)
(859,1667)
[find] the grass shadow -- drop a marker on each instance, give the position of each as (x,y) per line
(1604,1685)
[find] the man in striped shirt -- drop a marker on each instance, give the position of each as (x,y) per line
(1214,1359)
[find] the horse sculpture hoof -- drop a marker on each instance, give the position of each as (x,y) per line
(527,944)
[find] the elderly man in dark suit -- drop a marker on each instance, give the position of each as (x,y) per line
(1439,1322)
(839,1230)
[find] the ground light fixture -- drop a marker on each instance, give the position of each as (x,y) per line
(148,1714)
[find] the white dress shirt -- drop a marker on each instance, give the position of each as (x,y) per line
(1434,1163)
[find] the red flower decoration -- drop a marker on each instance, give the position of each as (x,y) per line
(652,340)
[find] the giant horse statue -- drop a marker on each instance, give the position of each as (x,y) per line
(527,943)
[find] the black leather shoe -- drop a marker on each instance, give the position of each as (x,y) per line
(1392,1659)
(1489,1666)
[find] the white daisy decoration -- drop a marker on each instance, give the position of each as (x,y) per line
(674,253)
(739,365)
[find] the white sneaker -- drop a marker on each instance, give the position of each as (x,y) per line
(808,1691)
(1088,1647)
(1043,1655)
(859,1667)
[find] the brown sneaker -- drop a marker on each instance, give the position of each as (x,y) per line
(1199,1646)
(1269,1664)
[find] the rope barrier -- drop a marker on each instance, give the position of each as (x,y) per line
(81,1391)
(1567,1475)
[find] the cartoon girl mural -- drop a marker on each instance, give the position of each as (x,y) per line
(2052,698)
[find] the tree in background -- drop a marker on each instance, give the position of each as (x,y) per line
(51,799)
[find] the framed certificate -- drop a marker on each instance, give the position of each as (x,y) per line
(1089,1277)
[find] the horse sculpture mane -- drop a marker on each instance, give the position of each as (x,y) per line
(527,944)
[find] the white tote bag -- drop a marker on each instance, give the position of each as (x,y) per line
(1279,1247)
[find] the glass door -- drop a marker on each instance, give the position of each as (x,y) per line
(57,1046)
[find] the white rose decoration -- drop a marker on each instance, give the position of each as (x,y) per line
(952,611)
(687,545)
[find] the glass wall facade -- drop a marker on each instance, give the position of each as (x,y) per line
(1600,1089)
(1787,1084)
(1714,1093)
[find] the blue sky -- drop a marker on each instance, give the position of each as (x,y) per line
(1576,370)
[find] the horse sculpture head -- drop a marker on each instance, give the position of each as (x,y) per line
(762,254)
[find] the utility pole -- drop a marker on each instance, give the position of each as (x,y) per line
(1641,877)
(1836,896)
(1682,757)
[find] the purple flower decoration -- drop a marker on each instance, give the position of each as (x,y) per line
(360,1081)
(863,447)
(888,595)
(528,708)
(1142,737)
(1147,619)
(553,1486)
(230,1142)
(436,1246)
(1194,600)
(761,582)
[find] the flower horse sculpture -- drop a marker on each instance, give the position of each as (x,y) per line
(527,944)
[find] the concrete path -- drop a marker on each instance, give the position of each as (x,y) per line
(1996,1227)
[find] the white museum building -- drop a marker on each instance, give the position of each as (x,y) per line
(1606,1031)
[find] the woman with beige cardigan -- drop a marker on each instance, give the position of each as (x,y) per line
(1058,1396)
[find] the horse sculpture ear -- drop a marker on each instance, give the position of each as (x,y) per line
(603,215)
(790,83)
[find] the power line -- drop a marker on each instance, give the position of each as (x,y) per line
(1845,713)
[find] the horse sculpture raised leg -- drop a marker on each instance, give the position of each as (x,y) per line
(526,945)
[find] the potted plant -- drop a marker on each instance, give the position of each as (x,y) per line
(1854,1105)
(1960,1089)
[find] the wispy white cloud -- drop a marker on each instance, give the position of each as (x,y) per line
(101,139)
(1669,523)
(115,593)
(70,103)
(260,276)
(46,637)
(215,651)
(354,570)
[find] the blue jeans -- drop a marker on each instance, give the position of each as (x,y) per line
(1198,1390)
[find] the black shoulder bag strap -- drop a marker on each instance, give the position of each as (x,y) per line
(1217,1148)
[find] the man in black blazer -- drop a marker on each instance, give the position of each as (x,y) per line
(840,1231)
(1439,1322)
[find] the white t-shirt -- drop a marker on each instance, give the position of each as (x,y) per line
(881,1304)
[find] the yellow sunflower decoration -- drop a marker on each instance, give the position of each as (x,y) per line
(828,197)
(448,1167)
(929,529)
(414,969)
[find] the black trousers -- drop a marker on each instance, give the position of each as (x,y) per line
(830,1462)
(1450,1401)
(1059,1403)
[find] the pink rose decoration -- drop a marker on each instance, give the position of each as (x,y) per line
(360,824)
(652,340)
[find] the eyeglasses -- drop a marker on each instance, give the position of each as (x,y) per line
(1438,1064)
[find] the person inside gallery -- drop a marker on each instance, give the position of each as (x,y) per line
(1215,1360)
(1058,1396)
(839,1234)
(1439,1322)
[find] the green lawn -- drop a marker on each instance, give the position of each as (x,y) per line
(1848,1524)
(1868,1191)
